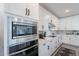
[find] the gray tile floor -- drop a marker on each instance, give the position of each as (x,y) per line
(67,50)
(72,47)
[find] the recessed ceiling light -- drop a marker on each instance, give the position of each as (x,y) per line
(67,11)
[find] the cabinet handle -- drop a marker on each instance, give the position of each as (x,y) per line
(28,12)
(48,47)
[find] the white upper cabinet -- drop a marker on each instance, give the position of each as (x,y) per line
(20,9)
(16,8)
(65,24)
(34,10)
(62,24)
(69,23)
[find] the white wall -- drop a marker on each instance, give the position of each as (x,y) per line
(69,23)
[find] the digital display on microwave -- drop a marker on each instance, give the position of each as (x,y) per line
(20,30)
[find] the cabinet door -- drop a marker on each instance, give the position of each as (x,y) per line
(60,40)
(51,48)
(68,24)
(43,51)
(54,45)
(16,8)
(62,25)
(75,23)
(74,40)
(34,10)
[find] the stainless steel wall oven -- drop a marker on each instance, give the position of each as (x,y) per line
(25,49)
(22,29)
(21,38)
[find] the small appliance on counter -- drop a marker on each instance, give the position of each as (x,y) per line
(77,33)
(42,34)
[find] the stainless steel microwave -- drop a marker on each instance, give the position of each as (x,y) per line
(22,29)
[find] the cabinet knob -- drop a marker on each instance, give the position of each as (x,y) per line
(48,47)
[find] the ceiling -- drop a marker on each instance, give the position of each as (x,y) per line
(58,9)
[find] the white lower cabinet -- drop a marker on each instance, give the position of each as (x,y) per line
(51,46)
(71,39)
(65,39)
(74,40)
(43,50)
(48,46)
